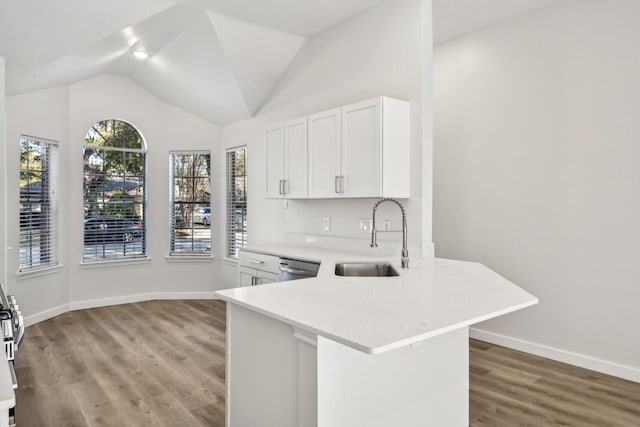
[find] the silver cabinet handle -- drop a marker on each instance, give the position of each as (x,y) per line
(254,280)
(339,184)
(255,261)
(285,187)
(280,190)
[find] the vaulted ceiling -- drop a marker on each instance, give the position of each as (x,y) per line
(218,59)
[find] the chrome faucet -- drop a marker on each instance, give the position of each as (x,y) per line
(374,232)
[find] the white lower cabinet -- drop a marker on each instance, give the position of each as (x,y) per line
(279,375)
(257,269)
(250,276)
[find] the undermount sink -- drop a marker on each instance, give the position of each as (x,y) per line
(365,269)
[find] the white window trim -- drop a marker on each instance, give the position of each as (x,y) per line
(52,267)
(104,263)
(95,262)
(186,257)
(229,259)
(27,273)
(190,258)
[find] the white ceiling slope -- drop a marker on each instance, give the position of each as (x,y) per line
(454,18)
(218,59)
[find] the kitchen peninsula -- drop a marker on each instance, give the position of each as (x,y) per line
(359,351)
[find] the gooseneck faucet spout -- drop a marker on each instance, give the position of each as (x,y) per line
(374,232)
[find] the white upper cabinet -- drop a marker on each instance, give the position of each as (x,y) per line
(295,158)
(361,171)
(355,151)
(286,147)
(324,153)
(275,161)
(360,150)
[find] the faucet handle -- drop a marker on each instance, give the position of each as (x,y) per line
(405,262)
(405,258)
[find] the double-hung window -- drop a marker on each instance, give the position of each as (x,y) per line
(190,203)
(114,192)
(236,200)
(38,203)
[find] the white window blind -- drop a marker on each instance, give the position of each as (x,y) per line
(39,162)
(236,200)
(190,203)
(114,192)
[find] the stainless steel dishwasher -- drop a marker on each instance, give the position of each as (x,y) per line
(293,269)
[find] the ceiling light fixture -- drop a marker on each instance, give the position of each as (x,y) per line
(140,54)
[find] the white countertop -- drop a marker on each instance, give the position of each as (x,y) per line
(374,315)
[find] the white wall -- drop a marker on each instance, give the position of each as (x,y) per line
(536,174)
(65,114)
(43,114)
(3,167)
(374,53)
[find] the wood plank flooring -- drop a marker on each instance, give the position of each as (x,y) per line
(511,388)
(155,363)
(162,363)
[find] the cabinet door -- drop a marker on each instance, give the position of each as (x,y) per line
(275,161)
(295,158)
(245,276)
(324,154)
(266,277)
(362,149)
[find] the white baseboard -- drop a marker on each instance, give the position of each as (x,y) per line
(185,295)
(103,302)
(46,314)
(604,366)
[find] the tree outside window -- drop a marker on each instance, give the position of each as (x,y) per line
(38,203)
(236,200)
(114,192)
(190,195)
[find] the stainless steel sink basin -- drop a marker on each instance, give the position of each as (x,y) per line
(365,269)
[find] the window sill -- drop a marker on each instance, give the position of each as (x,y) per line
(36,272)
(189,258)
(112,263)
(231,261)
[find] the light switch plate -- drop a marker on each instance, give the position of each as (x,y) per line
(366,225)
(326,223)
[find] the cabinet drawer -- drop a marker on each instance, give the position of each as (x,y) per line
(259,261)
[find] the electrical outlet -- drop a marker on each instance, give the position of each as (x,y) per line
(326,223)
(365,225)
(285,204)
(386,225)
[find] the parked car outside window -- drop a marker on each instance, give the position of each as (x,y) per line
(110,229)
(202,215)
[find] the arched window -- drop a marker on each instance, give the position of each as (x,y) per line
(114,192)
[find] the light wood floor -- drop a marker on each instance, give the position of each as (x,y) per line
(162,363)
(156,363)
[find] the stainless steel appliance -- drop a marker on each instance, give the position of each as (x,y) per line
(12,325)
(292,269)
